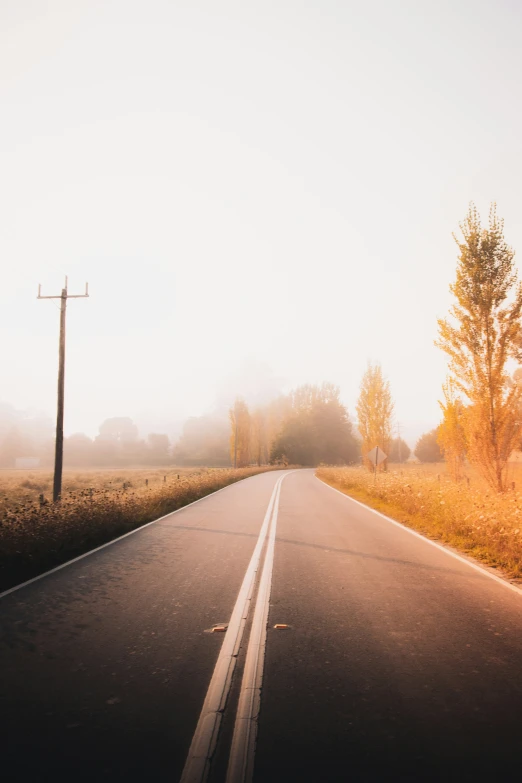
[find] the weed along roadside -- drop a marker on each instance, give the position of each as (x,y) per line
(466,515)
(36,535)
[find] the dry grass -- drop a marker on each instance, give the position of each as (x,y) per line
(19,487)
(95,508)
(467,515)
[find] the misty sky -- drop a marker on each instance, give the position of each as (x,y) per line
(254,190)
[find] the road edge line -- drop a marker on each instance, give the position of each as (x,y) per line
(205,735)
(125,535)
(470,563)
(242,749)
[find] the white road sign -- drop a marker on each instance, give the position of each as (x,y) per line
(376,456)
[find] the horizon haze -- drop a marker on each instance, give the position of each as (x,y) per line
(259,196)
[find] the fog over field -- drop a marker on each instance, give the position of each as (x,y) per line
(260,195)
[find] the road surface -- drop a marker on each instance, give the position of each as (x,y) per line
(398,662)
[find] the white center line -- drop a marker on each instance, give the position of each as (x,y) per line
(242,751)
(204,740)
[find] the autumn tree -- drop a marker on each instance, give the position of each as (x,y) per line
(259,436)
(451,434)
(120,429)
(483,335)
(399,450)
(278,412)
(374,412)
(158,447)
(204,441)
(295,443)
(78,450)
(12,447)
(240,435)
(427,448)
(316,429)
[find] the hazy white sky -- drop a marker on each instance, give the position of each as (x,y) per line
(244,182)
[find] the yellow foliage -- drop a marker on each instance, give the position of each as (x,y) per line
(483,335)
(374,412)
(451,435)
(241,434)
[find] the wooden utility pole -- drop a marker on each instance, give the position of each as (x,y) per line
(58,453)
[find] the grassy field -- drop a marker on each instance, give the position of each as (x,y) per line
(96,506)
(468,515)
(19,487)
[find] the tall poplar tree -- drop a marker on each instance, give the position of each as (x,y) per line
(374,412)
(258,436)
(483,334)
(240,434)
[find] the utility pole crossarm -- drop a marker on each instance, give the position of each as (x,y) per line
(68,295)
(58,459)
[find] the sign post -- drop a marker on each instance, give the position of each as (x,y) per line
(376,456)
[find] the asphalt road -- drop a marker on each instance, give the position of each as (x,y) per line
(400,662)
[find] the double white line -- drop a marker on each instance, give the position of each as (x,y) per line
(241,759)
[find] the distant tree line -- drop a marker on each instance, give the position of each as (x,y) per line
(309,426)
(317,429)
(427,448)
(117,444)
(481,407)
(204,441)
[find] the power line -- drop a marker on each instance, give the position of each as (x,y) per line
(58,454)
